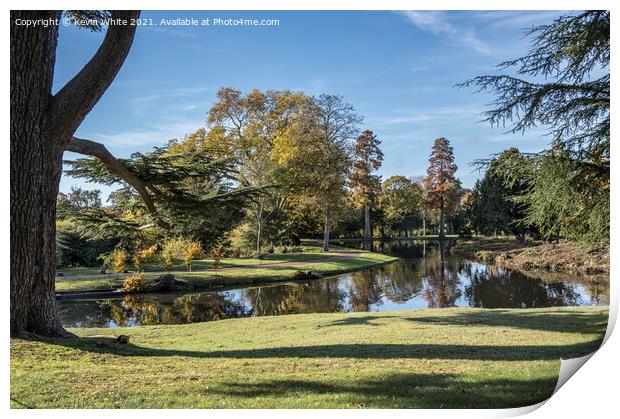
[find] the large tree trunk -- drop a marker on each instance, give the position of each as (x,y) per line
(35,176)
(41,127)
(442,232)
(367,231)
(326,231)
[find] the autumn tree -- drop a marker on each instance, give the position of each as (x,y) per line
(42,128)
(337,125)
(317,153)
(365,184)
(440,183)
(247,126)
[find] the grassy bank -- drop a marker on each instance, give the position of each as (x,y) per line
(425,358)
(241,271)
(555,257)
(309,252)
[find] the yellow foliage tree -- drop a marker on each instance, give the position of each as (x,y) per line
(118,261)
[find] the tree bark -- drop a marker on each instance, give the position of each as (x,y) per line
(41,126)
(327,229)
(442,233)
(35,176)
(367,231)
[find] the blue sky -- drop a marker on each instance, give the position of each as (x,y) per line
(397,69)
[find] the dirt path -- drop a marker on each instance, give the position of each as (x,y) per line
(341,254)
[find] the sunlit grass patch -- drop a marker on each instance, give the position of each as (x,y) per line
(461,358)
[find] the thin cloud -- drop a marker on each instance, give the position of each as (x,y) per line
(172,93)
(153,135)
(422,116)
(418,68)
(437,23)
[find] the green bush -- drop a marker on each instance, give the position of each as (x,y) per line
(74,250)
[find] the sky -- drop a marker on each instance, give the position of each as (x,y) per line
(398,69)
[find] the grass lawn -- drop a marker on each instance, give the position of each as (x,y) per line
(323,265)
(309,252)
(450,358)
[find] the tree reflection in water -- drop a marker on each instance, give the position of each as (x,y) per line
(442,287)
(426,276)
(322,296)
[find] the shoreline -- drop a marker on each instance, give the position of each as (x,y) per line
(212,280)
(562,257)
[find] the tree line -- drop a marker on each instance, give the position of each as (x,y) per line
(269,169)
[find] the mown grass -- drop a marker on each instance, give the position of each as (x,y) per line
(309,252)
(329,265)
(450,358)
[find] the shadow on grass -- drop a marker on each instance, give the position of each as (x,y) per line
(356,351)
(358,320)
(404,390)
(561,321)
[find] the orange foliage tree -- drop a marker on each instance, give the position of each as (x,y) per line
(440,183)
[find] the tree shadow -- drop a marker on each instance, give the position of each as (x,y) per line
(404,390)
(356,351)
(561,321)
(358,320)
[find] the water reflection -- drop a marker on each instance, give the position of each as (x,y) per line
(427,276)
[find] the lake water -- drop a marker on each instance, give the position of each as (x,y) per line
(426,276)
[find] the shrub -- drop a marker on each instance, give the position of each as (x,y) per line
(243,239)
(270,249)
(180,249)
(193,251)
(167,259)
(143,256)
(134,283)
(117,260)
(217,253)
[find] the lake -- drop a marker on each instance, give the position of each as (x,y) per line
(425,276)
